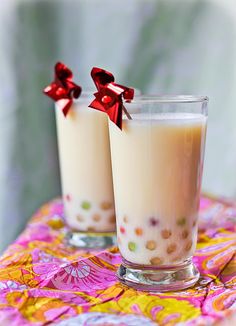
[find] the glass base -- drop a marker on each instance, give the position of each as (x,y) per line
(159,279)
(91,240)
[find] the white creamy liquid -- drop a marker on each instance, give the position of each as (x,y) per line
(85,164)
(157,167)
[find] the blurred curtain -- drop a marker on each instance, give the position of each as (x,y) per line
(162,46)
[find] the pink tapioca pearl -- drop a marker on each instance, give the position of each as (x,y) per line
(122,230)
(68,197)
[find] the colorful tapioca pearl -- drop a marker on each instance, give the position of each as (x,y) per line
(122,230)
(151,245)
(91,229)
(125,219)
(112,218)
(96,217)
(138,231)
(132,246)
(171,248)
(86,205)
(166,234)
(156,261)
(68,197)
(188,245)
(79,218)
(153,221)
(105,205)
(181,221)
(184,234)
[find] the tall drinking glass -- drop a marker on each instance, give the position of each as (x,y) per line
(157,163)
(86,177)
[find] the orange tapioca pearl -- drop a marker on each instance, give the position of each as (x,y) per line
(184,234)
(138,231)
(96,217)
(151,245)
(165,233)
(156,261)
(106,205)
(171,248)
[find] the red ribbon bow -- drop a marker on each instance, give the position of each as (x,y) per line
(63,89)
(109,96)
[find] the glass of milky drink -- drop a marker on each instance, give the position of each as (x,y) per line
(157,163)
(86,177)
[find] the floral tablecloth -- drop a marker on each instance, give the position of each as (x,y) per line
(43,281)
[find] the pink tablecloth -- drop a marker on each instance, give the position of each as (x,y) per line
(43,281)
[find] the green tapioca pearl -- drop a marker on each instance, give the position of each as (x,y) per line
(181,221)
(86,205)
(132,246)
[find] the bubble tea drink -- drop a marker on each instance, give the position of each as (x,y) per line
(84,152)
(85,166)
(157,161)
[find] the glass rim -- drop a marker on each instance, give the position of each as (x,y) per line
(169,99)
(87,92)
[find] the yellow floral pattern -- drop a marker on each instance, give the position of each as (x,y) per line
(43,281)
